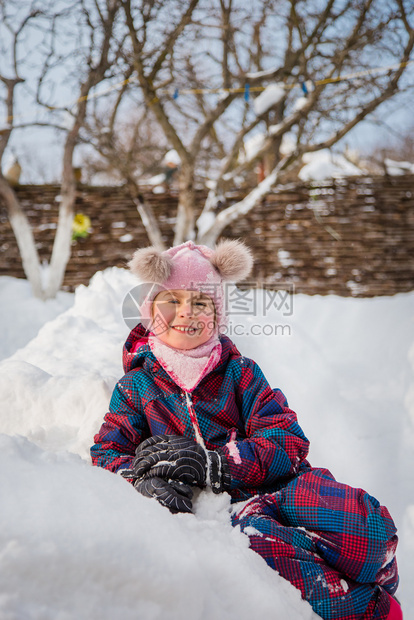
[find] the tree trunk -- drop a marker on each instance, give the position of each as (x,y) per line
(148,218)
(24,237)
(184,228)
(241,208)
(61,246)
(63,239)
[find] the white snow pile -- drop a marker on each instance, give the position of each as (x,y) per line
(156,180)
(256,142)
(251,147)
(79,542)
(171,158)
(28,314)
(396,168)
(317,166)
(324,164)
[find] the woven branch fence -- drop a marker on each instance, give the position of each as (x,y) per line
(350,237)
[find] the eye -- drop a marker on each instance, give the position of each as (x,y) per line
(170,300)
(201,304)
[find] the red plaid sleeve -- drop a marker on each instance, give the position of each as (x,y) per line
(275,445)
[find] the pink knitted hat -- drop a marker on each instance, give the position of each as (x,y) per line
(192,267)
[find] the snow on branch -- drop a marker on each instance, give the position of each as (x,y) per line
(225,217)
(271,95)
(267,73)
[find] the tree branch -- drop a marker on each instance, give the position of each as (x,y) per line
(171,39)
(149,91)
(229,215)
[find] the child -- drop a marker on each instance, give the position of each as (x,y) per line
(191,410)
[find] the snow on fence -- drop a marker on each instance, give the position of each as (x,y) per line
(351,236)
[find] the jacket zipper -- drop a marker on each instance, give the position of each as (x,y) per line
(194,421)
(198,435)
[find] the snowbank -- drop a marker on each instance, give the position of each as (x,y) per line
(79,542)
(21,316)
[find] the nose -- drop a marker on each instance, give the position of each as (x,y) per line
(185,309)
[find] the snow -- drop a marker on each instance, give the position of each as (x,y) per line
(172,157)
(300,103)
(21,316)
(205,221)
(289,144)
(251,147)
(105,551)
(396,168)
(324,164)
(284,258)
(78,542)
(211,184)
(156,180)
(318,165)
(271,95)
(159,189)
(262,74)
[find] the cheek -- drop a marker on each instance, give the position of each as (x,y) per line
(205,322)
(164,313)
(205,315)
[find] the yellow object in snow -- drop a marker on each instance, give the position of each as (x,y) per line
(80,226)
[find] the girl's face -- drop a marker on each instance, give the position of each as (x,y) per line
(183,319)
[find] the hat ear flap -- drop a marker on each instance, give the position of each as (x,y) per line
(232,259)
(151,265)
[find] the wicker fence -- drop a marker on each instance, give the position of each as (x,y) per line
(351,237)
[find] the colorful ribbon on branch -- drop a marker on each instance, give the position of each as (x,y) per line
(305,85)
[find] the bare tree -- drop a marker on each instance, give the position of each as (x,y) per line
(210,75)
(124,151)
(81,47)
(213,74)
(17,216)
(134,150)
(96,22)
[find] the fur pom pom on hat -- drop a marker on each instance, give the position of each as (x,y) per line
(231,259)
(151,265)
(195,267)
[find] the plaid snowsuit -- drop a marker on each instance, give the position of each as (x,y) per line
(336,544)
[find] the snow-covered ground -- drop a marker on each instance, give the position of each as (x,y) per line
(80,543)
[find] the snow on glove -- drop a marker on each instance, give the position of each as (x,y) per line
(175,495)
(180,458)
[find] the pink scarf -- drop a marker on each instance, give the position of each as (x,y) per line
(187,367)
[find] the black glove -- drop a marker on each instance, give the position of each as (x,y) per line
(175,495)
(182,459)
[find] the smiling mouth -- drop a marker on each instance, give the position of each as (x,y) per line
(184,330)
